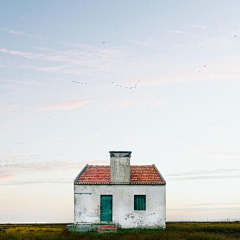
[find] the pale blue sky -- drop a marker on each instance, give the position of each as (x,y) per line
(182,56)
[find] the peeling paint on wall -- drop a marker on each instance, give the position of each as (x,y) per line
(87,207)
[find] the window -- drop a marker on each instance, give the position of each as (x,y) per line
(139,202)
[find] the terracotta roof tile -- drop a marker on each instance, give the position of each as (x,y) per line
(97,174)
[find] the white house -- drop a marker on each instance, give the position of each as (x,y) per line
(121,194)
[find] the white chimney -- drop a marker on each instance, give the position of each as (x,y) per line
(120,166)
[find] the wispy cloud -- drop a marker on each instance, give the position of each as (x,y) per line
(66,69)
(65,105)
(85,60)
(150,102)
(26,166)
(14,169)
(221,151)
(4,175)
(149,42)
(38,181)
(28,55)
(12,157)
(18,33)
(9,109)
(191,209)
(130,103)
(184,33)
(224,154)
(211,204)
(217,73)
(198,26)
(190,178)
(45,69)
(205,174)
(43,48)
(12,31)
(121,105)
(25,82)
(177,32)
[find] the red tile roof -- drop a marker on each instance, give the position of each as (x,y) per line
(100,174)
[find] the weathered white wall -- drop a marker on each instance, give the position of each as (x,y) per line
(87,206)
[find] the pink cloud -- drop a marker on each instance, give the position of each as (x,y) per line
(130,103)
(5,176)
(66,105)
(192,75)
(28,167)
(94,59)
(68,166)
(55,166)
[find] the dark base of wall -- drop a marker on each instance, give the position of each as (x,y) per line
(94,227)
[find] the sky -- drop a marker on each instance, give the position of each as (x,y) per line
(81,78)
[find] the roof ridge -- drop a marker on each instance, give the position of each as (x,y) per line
(100,174)
(109,165)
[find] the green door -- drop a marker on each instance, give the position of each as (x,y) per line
(106,208)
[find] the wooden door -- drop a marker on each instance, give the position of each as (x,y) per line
(106,208)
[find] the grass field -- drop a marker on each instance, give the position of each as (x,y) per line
(175,231)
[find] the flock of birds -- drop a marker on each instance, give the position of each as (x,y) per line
(129,87)
(134,86)
(203,66)
(79,82)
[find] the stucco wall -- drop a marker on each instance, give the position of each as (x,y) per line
(87,204)
(120,169)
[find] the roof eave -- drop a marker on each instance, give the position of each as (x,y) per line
(79,174)
(159,174)
(81,183)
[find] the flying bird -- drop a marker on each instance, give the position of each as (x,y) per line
(235,35)
(204,65)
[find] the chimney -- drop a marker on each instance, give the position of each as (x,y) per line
(120,166)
